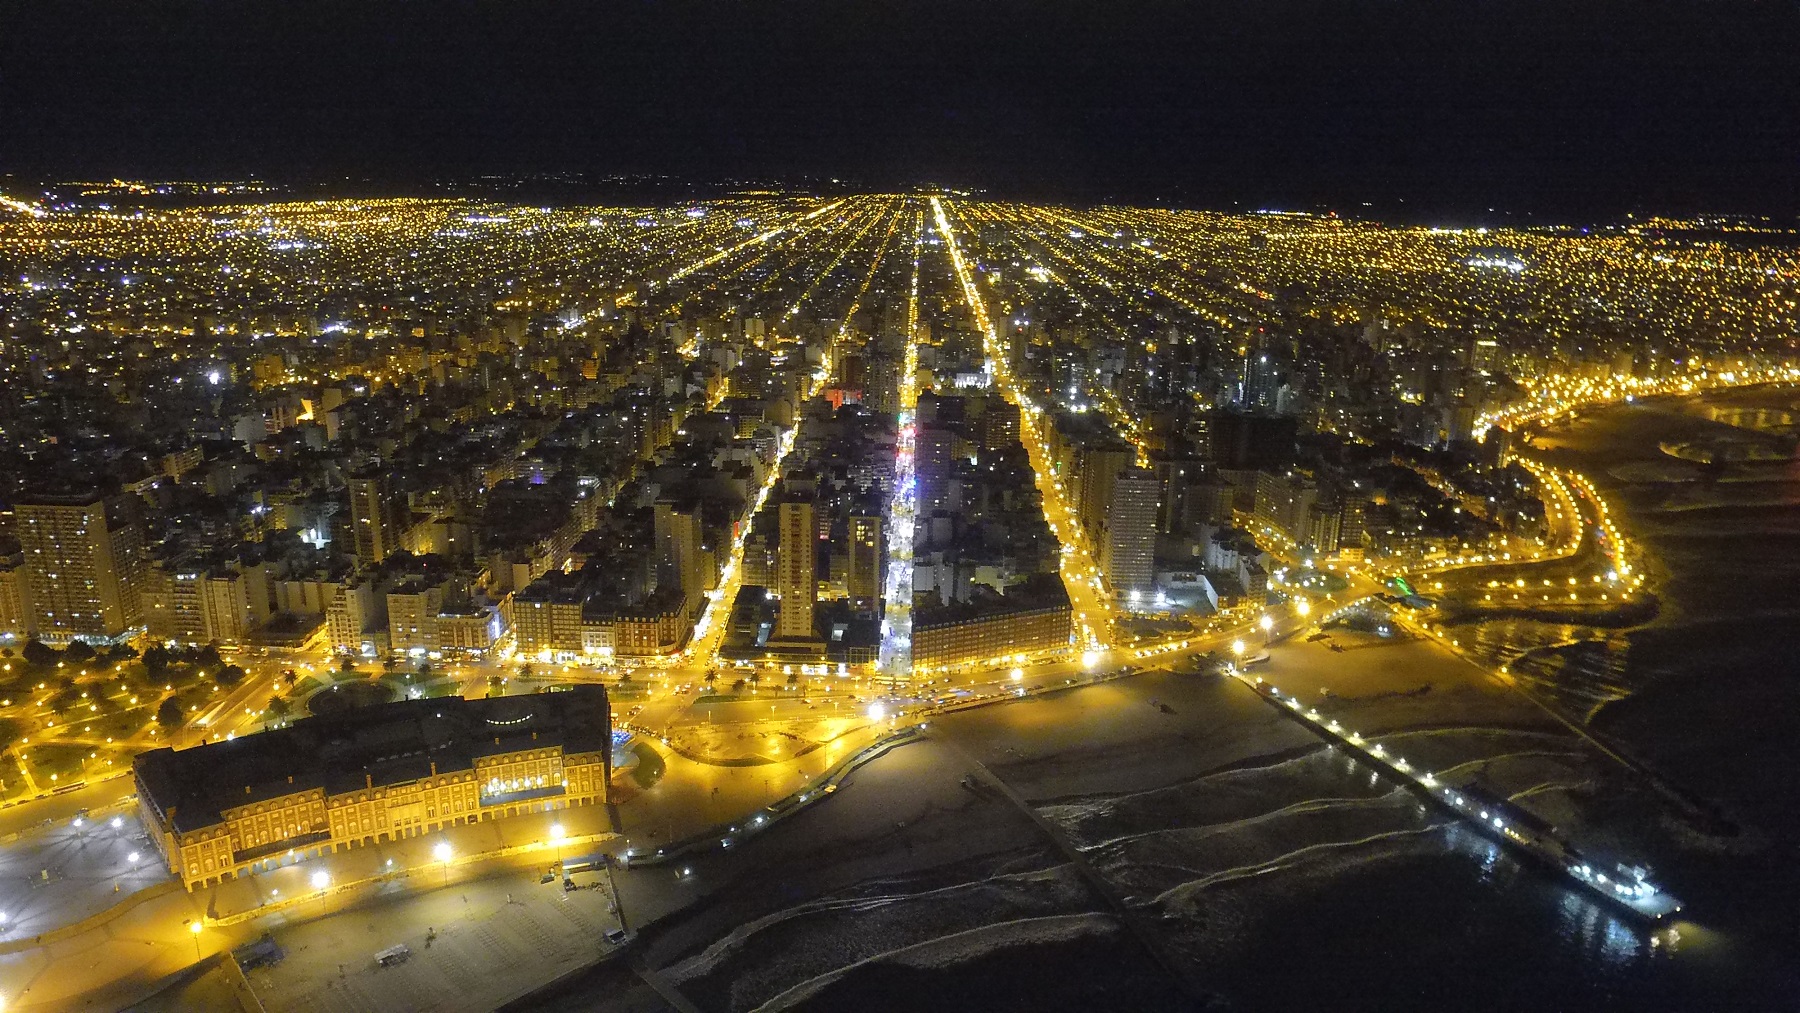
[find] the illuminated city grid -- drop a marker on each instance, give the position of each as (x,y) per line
(234,364)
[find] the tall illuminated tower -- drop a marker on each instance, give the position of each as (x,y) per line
(678,549)
(864,580)
(82,562)
(1128,536)
(374,519)
(795,577)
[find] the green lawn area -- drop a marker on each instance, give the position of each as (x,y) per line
(54,763)
(307,686)
(11,784)
(1318,581)
(406,684)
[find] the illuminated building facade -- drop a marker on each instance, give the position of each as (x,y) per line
(678,549)
(1033,619)
(83,561)
(864,577)
(796,581)
(375,518)
(370,775)
(16,614)
(1128,535)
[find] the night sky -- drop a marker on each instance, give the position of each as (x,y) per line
(1566,107)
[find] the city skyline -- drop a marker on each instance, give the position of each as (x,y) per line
(418,553)
(908,505)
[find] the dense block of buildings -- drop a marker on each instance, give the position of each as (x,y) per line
(1033,619)
(374,774)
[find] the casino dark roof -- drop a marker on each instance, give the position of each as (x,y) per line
(1037,592)
(388,744)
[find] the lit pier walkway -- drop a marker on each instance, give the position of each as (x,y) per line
(1623,886)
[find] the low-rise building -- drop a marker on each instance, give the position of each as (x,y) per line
(374,774)
(469,630)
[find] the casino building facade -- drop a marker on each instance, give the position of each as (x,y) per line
(369,775)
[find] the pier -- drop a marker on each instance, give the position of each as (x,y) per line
(1625,887)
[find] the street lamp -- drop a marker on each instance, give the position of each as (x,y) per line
(556,835)
(1237,649)
(194,927)
(1267,623)
(442,853)
(1302,607)
(320,880)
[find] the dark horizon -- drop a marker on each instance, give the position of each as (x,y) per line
(1582,111)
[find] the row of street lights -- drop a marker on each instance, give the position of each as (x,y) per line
(321,880)
(1267,624)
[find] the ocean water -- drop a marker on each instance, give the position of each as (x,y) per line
(1705,692)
